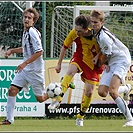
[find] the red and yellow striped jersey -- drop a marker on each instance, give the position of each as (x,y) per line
(86,48)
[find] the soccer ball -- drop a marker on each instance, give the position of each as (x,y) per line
(53,90)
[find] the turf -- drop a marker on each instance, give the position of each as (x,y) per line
(90,125)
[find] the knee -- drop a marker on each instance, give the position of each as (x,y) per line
(12,91)
(88,94)
(102,94)
(70,73)
(72,70)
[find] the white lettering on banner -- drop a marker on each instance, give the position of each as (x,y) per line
(20,95)
(93,110)
(7,75)
(3,93)
(103,110)
(123,5)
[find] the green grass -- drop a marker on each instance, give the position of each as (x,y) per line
(99,125)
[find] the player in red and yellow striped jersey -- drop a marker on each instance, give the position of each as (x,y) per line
(81,62)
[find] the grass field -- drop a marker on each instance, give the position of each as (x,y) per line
(58,125)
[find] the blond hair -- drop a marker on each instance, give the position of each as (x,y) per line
(97,14)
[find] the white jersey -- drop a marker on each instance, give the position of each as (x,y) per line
(31,43)
(113,47)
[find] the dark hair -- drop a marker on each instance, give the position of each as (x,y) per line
(82,20)
(34,11)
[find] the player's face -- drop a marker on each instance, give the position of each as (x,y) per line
(80,31)
(96,24)
(28,20)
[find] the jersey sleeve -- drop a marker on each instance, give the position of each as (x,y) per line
(106,45)
(70,38)
(35,39)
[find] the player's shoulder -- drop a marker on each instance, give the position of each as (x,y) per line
(33,31)
(72,33)
(103,35)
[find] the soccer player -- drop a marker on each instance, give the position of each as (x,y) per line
(117,57)
(31,71)
(81,62)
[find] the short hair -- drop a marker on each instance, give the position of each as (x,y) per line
(97,14)
(83,20)
(34,11)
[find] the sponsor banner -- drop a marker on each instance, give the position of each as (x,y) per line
(34,109)
(26,103)
(94,109)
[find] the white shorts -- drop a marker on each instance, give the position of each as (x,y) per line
(26,79)
(118,69)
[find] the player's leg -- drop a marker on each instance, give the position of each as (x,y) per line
(87,98)
(16,86)
(113,79)
(122,105)
(11,100)
(72,70)
(41,96)
(90,78)
(36,80)
(12,92)
(125,90)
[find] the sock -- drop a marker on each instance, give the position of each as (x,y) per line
(65,85)
(124,108)
(80,116)
(59,99)
(10,108)
(122,89)
(84,106)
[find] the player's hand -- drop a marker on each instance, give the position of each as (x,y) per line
(58,68)
(99,63)
(8,53)
(21,67)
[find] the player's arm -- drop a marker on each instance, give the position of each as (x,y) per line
(13,50)
(106,50)
(66,44)
(95,59)
(33,57)
(62,54)
(30,60)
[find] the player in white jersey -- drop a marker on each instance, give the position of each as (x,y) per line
(31,71)
(117,57)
